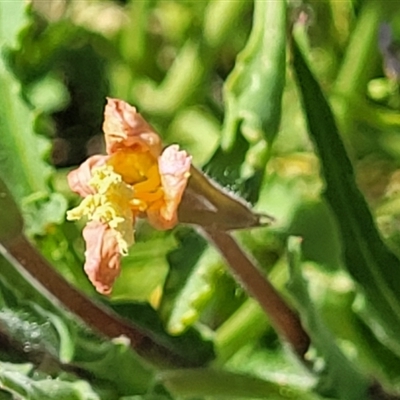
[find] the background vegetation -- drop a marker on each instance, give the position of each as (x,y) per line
(292,106)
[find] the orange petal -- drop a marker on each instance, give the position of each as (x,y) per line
(103,257)
(125,128)
(174,166)
(78,179)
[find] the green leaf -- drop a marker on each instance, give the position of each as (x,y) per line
(197,292)
(144,269)
(339,376)
(182,263)
(42,328)
(374,267)
(222,384)
(253,91)
(17,381)
(12,15)
(253,95)
(246,324)
(113,362)
(22,151)
(43,209)
(225,165)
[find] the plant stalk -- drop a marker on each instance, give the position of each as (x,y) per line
(282,318)
(30,263)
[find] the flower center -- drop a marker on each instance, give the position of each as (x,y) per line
(127,185)
(139,169)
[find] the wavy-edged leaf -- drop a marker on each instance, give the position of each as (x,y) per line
(253,96)
(17,380)
(22,151)
(197,292)
(191,283)
(44,330)
(253,91)
(197,286)
(368,259)
(114,364)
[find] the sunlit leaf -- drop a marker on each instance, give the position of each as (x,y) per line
(144,270)
(22,151)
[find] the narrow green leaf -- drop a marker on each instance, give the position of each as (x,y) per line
(369,261)
(225,385)
(339,376)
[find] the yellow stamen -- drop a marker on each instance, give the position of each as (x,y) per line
(109,205)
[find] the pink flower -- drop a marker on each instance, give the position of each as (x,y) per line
(135,178)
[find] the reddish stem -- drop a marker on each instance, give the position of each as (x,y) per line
(25,257)
(282,318)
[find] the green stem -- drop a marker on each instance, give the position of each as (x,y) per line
(134,37)
(184,78)
(362,52)
(246,324)
(219,19)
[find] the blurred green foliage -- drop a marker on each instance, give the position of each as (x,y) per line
(293,106)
